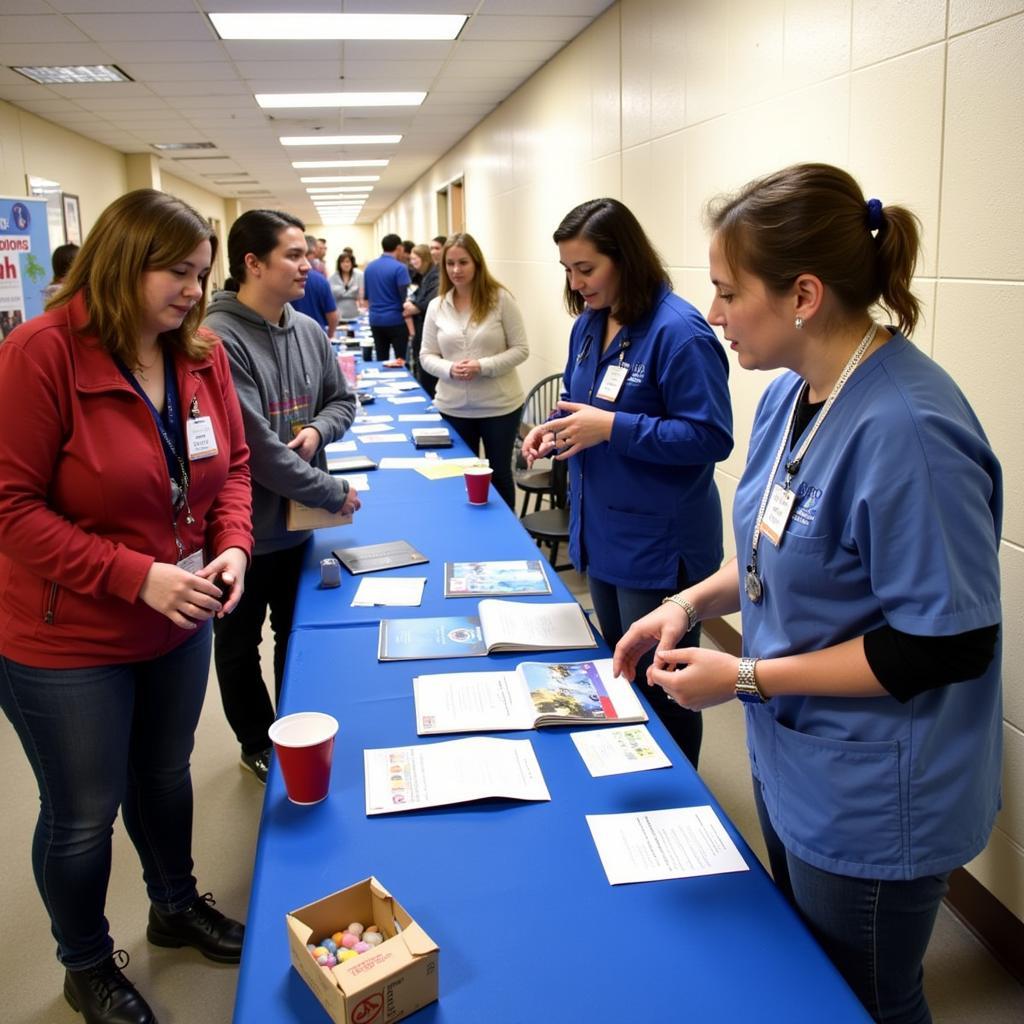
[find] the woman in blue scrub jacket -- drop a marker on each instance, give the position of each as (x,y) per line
(867,522)
(644,418)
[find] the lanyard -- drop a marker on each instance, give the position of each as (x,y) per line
(752,581)
(169,428)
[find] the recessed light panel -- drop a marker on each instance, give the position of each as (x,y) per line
(303,165)
(320,26)
(272,100)
(74,74)
(340,140)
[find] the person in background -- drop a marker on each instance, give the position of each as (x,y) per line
(347,286)
(407,247)
(317,301)
(415,307)
(867,524)
(320,256)
(63,257)
(294,402)
(385,284)
(645,415)
(124,529)
(473,340)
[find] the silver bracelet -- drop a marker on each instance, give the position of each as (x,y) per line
(691,612)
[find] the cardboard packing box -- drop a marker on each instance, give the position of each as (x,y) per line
(386,983)
(302,517)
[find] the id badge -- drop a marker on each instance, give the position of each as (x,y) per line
(202,442)
(192,563)
(776,515)
(612,383)
(296,427)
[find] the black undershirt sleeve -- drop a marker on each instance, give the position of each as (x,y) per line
(907,665)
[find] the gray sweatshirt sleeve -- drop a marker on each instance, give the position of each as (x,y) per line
(272,463)
(337,405)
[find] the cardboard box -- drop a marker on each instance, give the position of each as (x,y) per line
(386,983)
(302,517)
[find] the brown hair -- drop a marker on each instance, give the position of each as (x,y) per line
(142,231)
(423,251)
(813,219)
(615,232)
(485,289)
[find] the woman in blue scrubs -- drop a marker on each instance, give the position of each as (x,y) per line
(644,418)
(867,522)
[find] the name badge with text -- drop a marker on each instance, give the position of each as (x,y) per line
(202,442)
(612,383)
(776,515)
(192,563)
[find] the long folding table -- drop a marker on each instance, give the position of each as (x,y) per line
(514,894)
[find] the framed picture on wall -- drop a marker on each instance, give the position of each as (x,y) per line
(49,190)
(72,219)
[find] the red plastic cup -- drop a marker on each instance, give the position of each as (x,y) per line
(304,746)
(478,481)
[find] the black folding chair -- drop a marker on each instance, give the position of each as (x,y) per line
(535,480)
(550,526)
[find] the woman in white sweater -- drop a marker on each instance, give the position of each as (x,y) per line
(473,340)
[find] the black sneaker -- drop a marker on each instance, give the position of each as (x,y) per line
(215,936)
(258,763)
(103,995)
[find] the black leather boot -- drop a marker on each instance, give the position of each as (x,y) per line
(215,936)
(103,995)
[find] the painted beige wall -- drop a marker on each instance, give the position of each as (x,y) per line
(93,172)
(663,104)
(30,145)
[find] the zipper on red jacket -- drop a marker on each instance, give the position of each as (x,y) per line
(50,605)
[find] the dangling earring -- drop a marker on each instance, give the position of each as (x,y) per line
(798,323)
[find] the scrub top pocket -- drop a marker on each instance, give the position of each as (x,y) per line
(838,799)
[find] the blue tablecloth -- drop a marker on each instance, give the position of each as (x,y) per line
(513,893)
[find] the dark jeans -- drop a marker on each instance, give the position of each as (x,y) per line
(426,380)
(498,434)
(385,338)
(271,580)
(617,608)
(874,931)
(100,738)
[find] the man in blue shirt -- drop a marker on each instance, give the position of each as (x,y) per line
(318,302)
(386,284)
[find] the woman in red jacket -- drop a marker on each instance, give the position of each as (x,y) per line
(124,528)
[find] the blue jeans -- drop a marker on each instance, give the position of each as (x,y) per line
(617,608)
(874,931)
(99,738)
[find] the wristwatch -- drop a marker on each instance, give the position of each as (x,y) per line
(747,689)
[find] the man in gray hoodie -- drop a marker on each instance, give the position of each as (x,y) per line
(294,402)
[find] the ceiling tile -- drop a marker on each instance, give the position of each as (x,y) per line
(42,54)
(121,6)
(46,28)
(504,28)
(498,51)
(542,8)
(298,51)
(188,87)
(139,51)
(204,71)
(143,27)
(391,50)
(323,73)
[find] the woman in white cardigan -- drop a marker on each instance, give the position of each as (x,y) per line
(473,340)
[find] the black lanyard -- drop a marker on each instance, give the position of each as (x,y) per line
(168,425)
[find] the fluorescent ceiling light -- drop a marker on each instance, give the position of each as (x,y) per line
(74,74)
(341,177)
(336,189)
(164,146)
(319,26)
(309,165)
(271,100)
(340,140)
